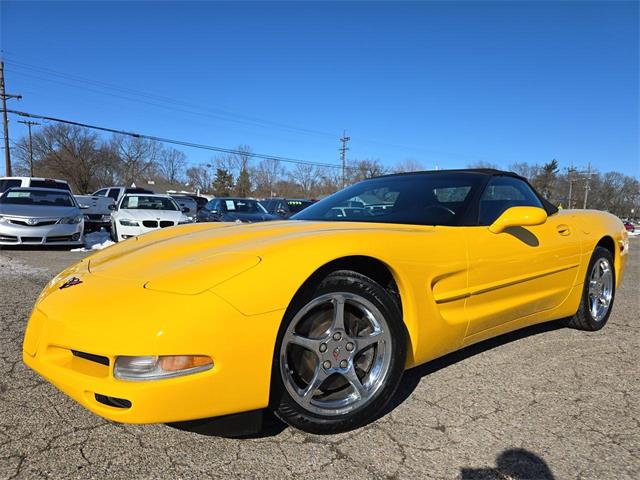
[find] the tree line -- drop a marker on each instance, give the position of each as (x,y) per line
(89,161)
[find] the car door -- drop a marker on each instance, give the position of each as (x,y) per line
(523,270)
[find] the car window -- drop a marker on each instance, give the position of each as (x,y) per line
(297,205)
(50,184)
(114,193)
(268,204)
(236,205)
(100,193)
(7,184)
(419,199)
(502,193)
(39,198)
(144,202)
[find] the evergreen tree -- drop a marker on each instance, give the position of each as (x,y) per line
(222,183)
(243,185)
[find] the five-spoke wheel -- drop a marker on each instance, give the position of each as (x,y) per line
(340,355)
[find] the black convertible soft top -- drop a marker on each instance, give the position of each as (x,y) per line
(489,172)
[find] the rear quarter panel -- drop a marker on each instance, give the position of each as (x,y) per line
(594,226)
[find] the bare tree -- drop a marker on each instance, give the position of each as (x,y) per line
(200,178)
(362,169)
(266,175)
(408,165)
(137,157)
(306,176)
(69,152)
(171,165)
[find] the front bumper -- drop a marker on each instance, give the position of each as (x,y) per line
(57,234)
(156,324)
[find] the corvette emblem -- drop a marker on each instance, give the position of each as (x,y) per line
(71,282)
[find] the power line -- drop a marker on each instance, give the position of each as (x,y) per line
(174,142)
(218,113)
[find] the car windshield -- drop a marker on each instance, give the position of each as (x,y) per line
(417,199)
(234,205)
(37,197)
(145,202)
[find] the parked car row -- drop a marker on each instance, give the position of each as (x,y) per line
(29,202)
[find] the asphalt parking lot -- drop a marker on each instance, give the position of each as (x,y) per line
(543,403)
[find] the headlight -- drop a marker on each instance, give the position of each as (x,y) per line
(186,220)
(129,223)
(158,367)
(2,220)
(68,220)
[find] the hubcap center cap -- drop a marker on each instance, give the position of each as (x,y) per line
(337,351)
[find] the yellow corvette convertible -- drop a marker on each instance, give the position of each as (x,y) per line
(317,317)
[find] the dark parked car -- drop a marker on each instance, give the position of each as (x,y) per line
(200,201)
(285,207)
(234,209)
(186,201)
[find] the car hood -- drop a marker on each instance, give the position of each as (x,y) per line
(151,215)
(38,211)
(195,257)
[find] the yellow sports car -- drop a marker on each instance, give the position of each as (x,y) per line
(317,317)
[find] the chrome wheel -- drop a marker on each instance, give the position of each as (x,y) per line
(600,289)
(335,354)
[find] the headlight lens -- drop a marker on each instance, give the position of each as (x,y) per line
(129,223)
(158,367)
(71,220)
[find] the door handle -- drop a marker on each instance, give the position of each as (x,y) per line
(563,230)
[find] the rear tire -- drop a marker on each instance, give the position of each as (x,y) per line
(340,355)
(598,293)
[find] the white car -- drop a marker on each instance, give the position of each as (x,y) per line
(138,213)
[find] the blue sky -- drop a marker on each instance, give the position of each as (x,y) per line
(446,84)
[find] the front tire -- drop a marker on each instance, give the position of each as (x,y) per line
(114,233)
(597,295)
(340,355)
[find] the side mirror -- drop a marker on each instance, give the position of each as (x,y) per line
(112,207)
(281,211)
(84,207)
(518,217)
(184,209)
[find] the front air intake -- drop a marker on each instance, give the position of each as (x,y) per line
(113,401)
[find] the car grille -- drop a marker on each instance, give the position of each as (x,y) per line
(150,224)
(64,238)
(31,239)
(39,223)
(166,223)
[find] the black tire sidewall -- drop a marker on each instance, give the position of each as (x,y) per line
(288,410)
(598,253)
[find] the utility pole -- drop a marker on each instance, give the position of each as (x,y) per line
(570,172)
(5,122)
(29,124)
(586,184)
(343,155)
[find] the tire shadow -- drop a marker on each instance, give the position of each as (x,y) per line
(411,378)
